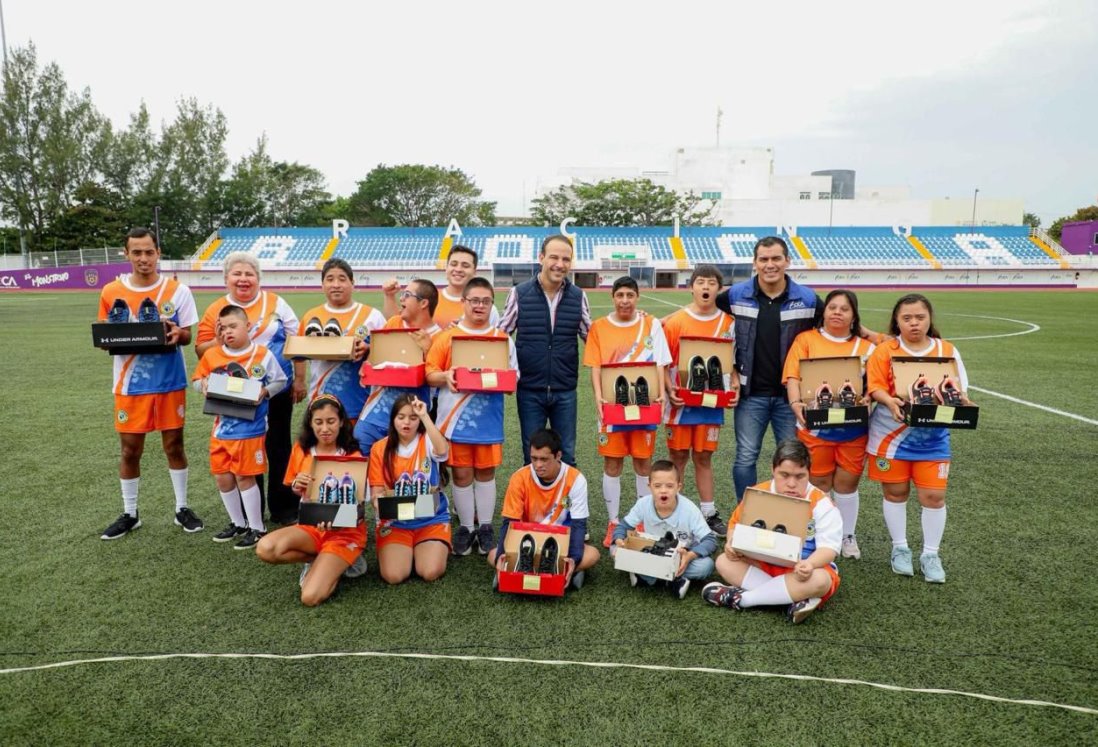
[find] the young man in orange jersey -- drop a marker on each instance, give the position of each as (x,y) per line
(461,267)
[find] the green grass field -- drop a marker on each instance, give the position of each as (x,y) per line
(1016,619)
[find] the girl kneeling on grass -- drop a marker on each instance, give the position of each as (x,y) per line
(907,455)
(327,553)
(411,454)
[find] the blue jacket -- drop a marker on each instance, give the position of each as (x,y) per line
(548,356)
(798,313)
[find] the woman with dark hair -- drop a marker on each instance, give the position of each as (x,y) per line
(838,452)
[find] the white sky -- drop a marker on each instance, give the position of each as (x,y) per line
(941,96)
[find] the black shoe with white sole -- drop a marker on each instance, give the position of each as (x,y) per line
(122,526)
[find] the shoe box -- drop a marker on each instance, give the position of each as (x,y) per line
(337,492)
(511,581)
(320,348)
(633,558)
(395,359)
(905,371)
(482,363)
(721,348)
(232,396)
(631,413)
(394,507)
(760,513)
(130,338)
(835,372)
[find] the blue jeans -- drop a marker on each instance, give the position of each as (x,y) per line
(752,415)
(535,407)
(697,569)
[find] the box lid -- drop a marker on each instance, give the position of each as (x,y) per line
(774,509)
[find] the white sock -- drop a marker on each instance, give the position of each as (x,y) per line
(485,495)
(642,485)
(611,493)
(847,503)
(934,526)
(253,506)
(708,508)
(233,507)
(754,578)
(895,516)
(129,495)
(466,508)
(772,592)
(179,486)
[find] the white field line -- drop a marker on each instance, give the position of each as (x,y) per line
(1053,410)
(557,663)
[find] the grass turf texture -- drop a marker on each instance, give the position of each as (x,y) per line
(1014,620)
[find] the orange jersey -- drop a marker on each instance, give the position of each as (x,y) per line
(816,343)
(262,366)
(467,417)
(270,322)
(417,457)
(341,378)
(687,323)
(451,309)
(527,499)
(825,527)
(640,340)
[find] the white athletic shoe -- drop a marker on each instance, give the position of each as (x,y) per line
(850,547)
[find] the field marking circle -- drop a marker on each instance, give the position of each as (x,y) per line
(1031,327)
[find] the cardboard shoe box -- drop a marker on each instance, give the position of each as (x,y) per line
(836,372)
(706,347)
(772,509)
(906,370)
(632,558)
(537,584)
(631,414)
(131,338)
(395,359)
(407,507)
(482,363)
(320,348)
(344,508)
(232,396)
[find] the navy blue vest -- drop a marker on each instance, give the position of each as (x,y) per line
(548,356)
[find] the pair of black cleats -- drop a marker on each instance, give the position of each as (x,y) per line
(825,398)
(640,392)
(945,393)
(705,375)
(233,369)
(527,550)
(313,328)
(760,524)
(120,312)
(664,546)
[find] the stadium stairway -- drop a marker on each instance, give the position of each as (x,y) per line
(806,255)
(206,253)
(925,253)
(329,250)
(678,251)
(444,251)
(1050,252)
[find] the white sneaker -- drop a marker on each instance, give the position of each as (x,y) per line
(356,568)
(850,547)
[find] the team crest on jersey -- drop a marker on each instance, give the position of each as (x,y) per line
(362,332)
(258,371)
(727,334)
(123,416)
(648,342)
(883,464)
(603,439)
(811,529)
(167,308)
(567,502)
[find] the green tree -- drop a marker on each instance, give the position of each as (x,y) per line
(263,192)
(95,219)
(1031,220)
(1090,212)
(418,195)
(621,202)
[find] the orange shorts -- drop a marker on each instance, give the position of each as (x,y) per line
(778,570)
(245,457)
(144,413)
(850,455)
(925,474)
(479,456)
(347,543)
(695,437)
(637,444)
(386,534)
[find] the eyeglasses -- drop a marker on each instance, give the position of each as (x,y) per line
(407,293)
(479,301)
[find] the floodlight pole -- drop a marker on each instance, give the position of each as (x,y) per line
(156,224)
(974,206)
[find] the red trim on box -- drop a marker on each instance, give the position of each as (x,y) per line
(630,364)
(334,458)
(468,380)
(481,338)
(704,338)
(725,398)
(387,330)
(404,376)
(530,526)
(615,414)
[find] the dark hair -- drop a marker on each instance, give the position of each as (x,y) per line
(344,439)
(852,299)
(625,282)
(770,241)
(392,443)
(707,271)
(665,465)
(335,263)
(428,292)
(140,232)
(478,282)
(894,326)
(792,451)
(231,310)
(462,249)
(546,437)
(555,237)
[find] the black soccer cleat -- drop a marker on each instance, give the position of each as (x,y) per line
(824,397)
(621,391)
(716,374)
(332,329)
(314,328)
(921,392)
(147,311)
(948,392)
(237,371)
(119,313)
(640,392)
(526,554)
(759,524)
(698,374)
(780,529)
(847,395)
(549,552)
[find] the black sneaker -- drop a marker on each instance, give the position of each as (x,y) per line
(847,397)
(122,526)
(549,552)
(921,393)
(462,542)
(698,374)
(486,539)
(824,397)
(234,369)
(332,329)
(722,595)
(186,518)
(948,392)
(249,540)
(798,611)
(679,586)
(640,392)
(147,311)
(119,313)
(780,529)
(716,526)
(621,391)
(313,328)
(759,523)
(526,555)
(229,533)
(716,375)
